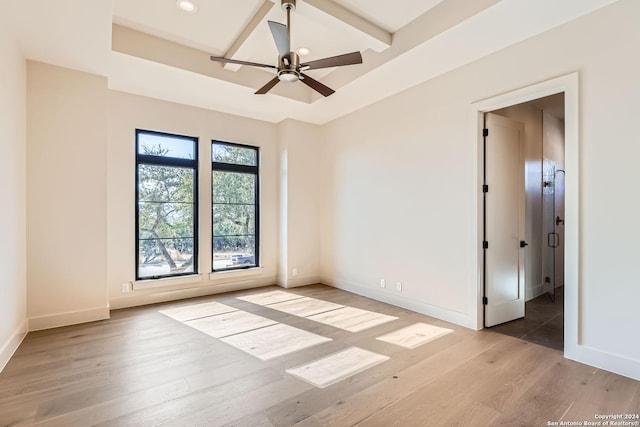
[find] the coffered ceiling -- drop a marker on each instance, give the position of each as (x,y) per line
(152,48)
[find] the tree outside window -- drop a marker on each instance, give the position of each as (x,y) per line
(166,205)
(235,206)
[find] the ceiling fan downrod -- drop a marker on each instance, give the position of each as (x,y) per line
(289,64)
(288,6)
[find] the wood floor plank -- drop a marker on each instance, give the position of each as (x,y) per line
(254,420)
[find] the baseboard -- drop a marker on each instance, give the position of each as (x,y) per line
(296,282)
(9,348)
(135,299)
(534,292)
(462,319)
(611,362)
(70,318)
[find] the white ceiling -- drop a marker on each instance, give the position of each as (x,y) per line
(156,50)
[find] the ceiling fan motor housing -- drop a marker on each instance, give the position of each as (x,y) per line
(289,67)
(288,5)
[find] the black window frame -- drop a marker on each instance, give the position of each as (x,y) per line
(167,161)
(237,168)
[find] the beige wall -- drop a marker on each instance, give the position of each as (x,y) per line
(299,146)
(401,184)
(66,196)
(13,284)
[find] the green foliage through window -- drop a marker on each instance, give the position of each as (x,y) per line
(166,205)
(235,206)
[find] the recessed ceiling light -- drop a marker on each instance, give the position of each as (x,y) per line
(186,5)
(304,51)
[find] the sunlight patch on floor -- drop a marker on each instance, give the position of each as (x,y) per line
(304,307)
(339,316)
(266,339)
(196,311)
(415,335)
(337,366)
(235,322)
(273,341)
(352,319)
(271,297)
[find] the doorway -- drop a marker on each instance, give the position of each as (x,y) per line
(538,284)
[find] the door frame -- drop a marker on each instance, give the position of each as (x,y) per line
(569,85)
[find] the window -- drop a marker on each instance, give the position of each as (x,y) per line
(166,205)
(235,206)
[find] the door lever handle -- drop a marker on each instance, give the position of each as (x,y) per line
(523,243)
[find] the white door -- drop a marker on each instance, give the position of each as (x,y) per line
(504,220)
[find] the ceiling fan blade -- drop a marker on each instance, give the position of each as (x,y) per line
(334,61)
(281,37)
(235,61)
(316,85)
(266,88)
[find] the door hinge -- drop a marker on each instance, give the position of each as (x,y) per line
(485,300)
(485,188)
(485,132)
(485,245)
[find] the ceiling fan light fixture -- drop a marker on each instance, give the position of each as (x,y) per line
(288,76)
(186,6)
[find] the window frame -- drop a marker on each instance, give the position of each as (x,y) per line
(237,168)
(167,161)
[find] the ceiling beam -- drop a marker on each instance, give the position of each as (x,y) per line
(246,32)
(380,38)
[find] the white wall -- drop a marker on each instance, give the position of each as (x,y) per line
(401,188)
(66,196)
(128,112)
(299,146)
(13,284)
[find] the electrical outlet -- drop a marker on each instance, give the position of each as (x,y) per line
(399,286)
(383,283)
(126,288)
(294,272)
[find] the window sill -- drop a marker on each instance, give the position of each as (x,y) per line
(222,276)
(139,285)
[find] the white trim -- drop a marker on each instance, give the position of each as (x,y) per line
(295,282)
(608,361)
(534,292)
(12,344)
(139,285)
(447,315)
(198,290)
(68,318)
(235,275)
(569,84)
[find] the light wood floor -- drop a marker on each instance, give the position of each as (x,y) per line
(142,368)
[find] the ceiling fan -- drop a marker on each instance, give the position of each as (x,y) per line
(289,68)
